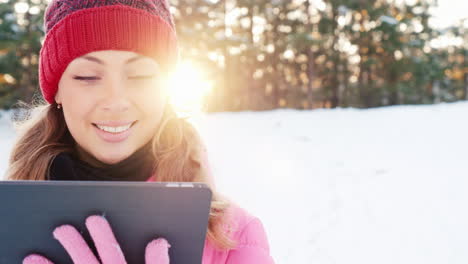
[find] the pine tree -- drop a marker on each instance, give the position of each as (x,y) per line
(20,36)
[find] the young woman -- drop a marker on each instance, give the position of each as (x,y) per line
(103,70)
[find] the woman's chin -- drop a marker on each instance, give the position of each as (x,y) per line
(111,158)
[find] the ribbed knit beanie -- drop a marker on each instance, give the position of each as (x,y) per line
(76,27)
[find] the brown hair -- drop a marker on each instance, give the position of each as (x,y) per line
(176,146)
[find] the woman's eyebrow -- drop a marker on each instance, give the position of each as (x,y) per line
(94,59)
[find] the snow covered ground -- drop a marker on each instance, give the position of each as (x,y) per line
(346,186)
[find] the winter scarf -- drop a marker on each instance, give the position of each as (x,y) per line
(67,166)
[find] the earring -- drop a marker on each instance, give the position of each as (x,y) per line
(59,106)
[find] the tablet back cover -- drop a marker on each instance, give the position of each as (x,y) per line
(137,212)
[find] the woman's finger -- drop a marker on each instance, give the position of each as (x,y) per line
(104,239)
(36,259)
(157,252)
(75,245)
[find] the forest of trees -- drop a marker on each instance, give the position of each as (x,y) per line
(266,54)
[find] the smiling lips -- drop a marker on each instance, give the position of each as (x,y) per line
(114,131)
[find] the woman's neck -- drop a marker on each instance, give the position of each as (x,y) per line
(89,158)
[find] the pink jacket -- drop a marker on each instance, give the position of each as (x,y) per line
(252,243)
(252,247)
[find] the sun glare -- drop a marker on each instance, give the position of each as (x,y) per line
(188,87)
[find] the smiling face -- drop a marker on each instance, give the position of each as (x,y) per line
(113,102)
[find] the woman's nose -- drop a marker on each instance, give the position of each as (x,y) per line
(116,97)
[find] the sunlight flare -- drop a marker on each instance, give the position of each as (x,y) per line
(188,88)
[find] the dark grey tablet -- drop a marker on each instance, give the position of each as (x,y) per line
(137,211)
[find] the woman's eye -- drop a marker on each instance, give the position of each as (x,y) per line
(142,77)
(95,78)
(86,78)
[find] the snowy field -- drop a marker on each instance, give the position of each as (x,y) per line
(344,186)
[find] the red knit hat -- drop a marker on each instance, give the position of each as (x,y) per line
(76,27)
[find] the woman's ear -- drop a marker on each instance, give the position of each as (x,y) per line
(57,98)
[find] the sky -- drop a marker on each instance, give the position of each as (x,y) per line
(450,12)
(447,13)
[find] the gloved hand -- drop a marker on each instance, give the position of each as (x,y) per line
(108,249)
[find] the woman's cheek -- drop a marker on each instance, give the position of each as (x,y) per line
(151,100)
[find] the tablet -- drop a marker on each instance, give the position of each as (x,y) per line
(138,212)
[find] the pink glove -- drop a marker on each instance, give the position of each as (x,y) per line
(109,250)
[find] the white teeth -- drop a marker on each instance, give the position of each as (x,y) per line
(114,129)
